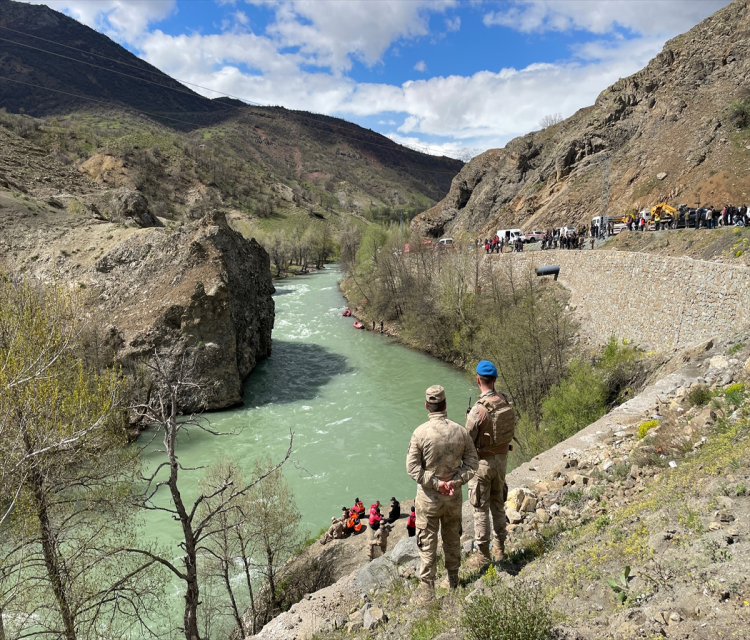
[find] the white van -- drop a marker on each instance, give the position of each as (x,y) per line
(510,235)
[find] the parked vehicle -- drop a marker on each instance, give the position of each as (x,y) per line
(533,236)
(445,243)
(510,235)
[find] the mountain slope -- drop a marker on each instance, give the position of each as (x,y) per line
(93,97)
(681,115)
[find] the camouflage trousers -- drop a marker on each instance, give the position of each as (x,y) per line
(443,515)
(487,493)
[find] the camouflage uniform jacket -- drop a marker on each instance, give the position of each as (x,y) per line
(440,449)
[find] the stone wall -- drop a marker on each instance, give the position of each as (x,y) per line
(661,303)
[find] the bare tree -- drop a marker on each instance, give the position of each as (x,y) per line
(550,120)
(203,517)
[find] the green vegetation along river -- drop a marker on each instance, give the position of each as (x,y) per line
(351,397)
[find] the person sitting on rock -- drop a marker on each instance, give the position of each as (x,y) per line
(335,531)
(375,517)
(395,511)
(359,507)
(379,542)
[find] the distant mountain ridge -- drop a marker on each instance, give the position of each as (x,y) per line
(138,85)
(53,80)
(676,131)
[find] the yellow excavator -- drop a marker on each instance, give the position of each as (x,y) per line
(663,215)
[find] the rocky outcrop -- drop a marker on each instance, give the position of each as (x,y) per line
(666,131)
(202,291)
(132,208)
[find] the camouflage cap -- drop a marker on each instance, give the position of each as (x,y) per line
(435,394)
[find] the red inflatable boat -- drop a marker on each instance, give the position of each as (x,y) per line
(358,325)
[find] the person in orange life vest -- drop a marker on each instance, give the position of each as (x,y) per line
(411,523)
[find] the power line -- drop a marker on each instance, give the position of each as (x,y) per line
(417,148)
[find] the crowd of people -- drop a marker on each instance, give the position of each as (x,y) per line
(706,217)
(350,523)
(442,457)
(498,244)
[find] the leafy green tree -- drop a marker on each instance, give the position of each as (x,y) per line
(65,477)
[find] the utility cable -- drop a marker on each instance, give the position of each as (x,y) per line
(424,150)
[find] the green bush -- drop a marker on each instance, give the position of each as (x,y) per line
(735,348)
(699,396)
(739,113)
(573,497)
(735,395)
(515,612)
(646,427)
(579,400)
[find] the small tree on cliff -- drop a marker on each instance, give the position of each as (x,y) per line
(260,530)
(212,511)
(65,479)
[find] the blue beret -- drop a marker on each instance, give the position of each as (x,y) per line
(486,368)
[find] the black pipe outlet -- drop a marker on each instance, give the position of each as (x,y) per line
(551,270)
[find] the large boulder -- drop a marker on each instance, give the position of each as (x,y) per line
(200,296)
(378,574)
(132,207)
(405,551)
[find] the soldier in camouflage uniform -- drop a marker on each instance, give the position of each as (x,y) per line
(335,531)
(490,423)
(441,458)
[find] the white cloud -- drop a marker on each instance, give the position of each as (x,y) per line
(647,17)
(453,24)
(119,19)
(484,110)
(302,59)
(333,34)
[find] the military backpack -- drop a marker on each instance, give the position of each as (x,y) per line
(500,427)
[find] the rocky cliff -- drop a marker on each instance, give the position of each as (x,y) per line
(199,289)
(673,131)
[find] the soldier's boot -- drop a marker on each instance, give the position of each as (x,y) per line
(425,595)
(481,559)
(453,580)
(498,550)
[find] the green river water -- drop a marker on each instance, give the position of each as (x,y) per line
(351,397)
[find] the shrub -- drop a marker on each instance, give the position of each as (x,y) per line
(699,396)
(511,613)
(645,427)
(735,394)
(572,497)
(735,348)
(739,113)
(576,402)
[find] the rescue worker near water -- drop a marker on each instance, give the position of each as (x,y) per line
(491,426)
(440,459)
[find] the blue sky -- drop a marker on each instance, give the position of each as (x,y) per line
(455,77)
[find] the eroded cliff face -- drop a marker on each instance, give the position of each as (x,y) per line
(673,117)
(202,293)
(199,294)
